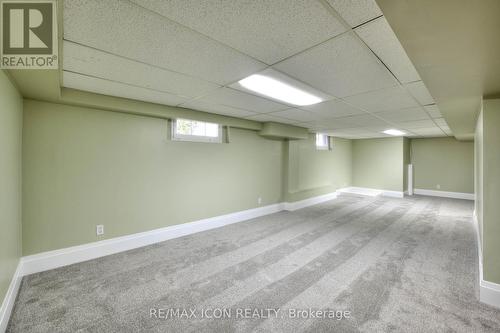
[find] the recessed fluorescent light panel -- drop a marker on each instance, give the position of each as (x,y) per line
(394,132)
(276,89)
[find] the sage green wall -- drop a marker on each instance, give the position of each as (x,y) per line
(11,113)
(378,163)
(444,161)
(490,189)
(84,167)
(478,174)
(311,172)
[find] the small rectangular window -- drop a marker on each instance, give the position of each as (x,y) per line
(322,141)
(193,130)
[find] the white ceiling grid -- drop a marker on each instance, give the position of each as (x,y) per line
(192,53)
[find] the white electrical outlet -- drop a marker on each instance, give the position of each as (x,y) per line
(259,200)
(438,186)
(99,229)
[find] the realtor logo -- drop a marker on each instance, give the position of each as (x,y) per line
(29,34)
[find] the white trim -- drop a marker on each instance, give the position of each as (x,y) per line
(71,255)
(394,194)
(489,292)
(410,179)
(371,192)
(195,138)
(325,144)
(445,194)
(52,259)
(10,297)
(291,206)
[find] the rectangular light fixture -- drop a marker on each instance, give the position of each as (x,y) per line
(394,132)
(278,90)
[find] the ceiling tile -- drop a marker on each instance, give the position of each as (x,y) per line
(404,115)
(379,135)
(357,130)
(356,12)
(417,124)
(267,117)
(342,66)
(433,111)
(441,122)
(393,98)
(379,128)
(362,121)
(430,131)
(420,92)
(92,62)
(336,123)
(105,87)
(217,109)
(241,100)
(272,73)
(266,30)
(296,114)
(172,46)
(332,109)
(379,37)
(357,133)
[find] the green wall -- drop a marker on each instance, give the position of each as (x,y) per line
(311,172)
(478,174)
(489,135)
(443,161)
(378,163)
(11,113)
(84,167)
(78,173)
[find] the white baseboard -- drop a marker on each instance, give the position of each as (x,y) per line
(71,255)
(53,259)
(10,298)
(371,192)
(489,292)
(291,206)
(75,254)
(445,194)
(394,194)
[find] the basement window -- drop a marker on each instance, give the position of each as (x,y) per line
(194,130)
(322,141)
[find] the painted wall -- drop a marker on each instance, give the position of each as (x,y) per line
(490,186)
(444,162)
(84,167)
(478,174)
(378,163)
(11,113)
(311,172)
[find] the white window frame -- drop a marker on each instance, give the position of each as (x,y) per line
(195,138)
(322,147)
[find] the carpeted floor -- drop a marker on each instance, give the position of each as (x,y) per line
(370,264)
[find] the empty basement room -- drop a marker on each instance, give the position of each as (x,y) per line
(249,166)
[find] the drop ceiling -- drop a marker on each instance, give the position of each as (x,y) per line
(192,53)
(454,46)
